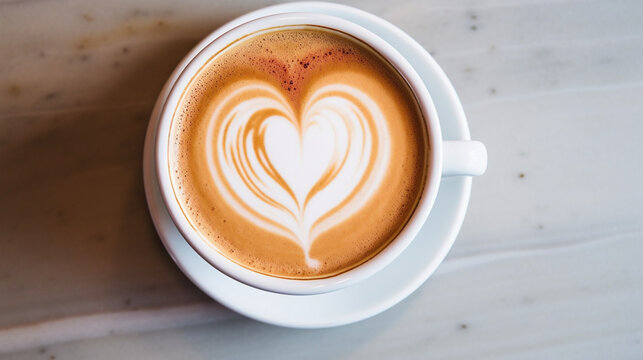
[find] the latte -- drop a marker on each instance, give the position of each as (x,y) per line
(298,152)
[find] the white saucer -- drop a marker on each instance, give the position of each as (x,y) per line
(375,294)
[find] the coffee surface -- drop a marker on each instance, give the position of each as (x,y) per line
(298,152)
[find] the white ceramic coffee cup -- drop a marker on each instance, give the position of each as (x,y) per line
(446,158)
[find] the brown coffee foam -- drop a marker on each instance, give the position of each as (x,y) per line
(297,61)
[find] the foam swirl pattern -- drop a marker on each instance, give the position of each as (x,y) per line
(297,175)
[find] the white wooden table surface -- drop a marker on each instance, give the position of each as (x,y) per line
(548,262)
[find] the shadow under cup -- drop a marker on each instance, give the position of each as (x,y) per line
(238,164)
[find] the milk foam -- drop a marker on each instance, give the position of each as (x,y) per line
(287,173)
(298,153)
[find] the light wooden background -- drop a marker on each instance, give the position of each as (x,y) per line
(548,263)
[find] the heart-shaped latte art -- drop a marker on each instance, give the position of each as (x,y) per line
(297,174)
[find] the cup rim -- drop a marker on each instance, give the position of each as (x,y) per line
(301,286)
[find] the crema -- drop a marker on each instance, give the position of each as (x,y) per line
(298,152)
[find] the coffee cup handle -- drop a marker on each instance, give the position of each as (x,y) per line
(463,158)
